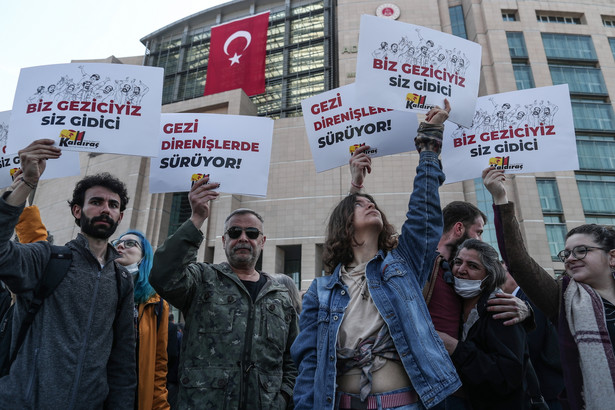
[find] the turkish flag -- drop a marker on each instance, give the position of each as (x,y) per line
(237,56)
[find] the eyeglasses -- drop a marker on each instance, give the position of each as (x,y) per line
(127,243)
(579,252)
(234,232)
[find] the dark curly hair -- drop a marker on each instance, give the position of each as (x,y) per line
(603,235)
(340,234)
(103,179)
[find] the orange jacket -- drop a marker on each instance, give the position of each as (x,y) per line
(152,356)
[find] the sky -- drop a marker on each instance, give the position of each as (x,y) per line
(41,32)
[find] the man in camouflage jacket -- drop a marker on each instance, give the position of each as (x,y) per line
(240,323)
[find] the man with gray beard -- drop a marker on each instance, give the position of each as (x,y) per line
(240,323)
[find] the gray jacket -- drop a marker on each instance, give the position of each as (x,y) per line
(235,353)
(80,351)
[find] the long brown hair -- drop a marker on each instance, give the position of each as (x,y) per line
(341,233)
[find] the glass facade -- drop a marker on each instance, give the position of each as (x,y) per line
(516,44)
(596,153)
(458,25)
(523,76)
(568,46)
(593,115)
(597,193)
(520,60)
(549,196)
(299,61)
(580,79)
(553,214)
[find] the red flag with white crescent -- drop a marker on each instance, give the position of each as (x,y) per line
(237,56)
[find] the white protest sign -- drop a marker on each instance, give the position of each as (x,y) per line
(336,125)
(233,150)
(112,108)
(413,68)
(520,131)
(65,166)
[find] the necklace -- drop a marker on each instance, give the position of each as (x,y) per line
(359,283)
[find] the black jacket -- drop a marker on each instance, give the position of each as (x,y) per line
(492,362)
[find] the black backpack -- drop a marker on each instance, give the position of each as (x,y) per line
(57,267)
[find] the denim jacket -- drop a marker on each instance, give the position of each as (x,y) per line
(395,281)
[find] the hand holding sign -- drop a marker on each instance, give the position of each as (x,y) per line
(494,179)
(34,159)
(200,196)
(360,164)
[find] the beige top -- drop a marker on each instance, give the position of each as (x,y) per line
(363,321)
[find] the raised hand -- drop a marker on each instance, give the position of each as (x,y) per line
(199,197)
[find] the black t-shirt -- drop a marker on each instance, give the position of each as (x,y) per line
(254,287)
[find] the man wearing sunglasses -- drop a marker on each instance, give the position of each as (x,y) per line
(80,349)
(240,323)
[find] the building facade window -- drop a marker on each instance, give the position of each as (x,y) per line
(612,44)
(597,194)
(523,76)
(458,25)
(180,211)
(580,79)
(608,21)
(596,153)
(509,15)
(558,19)
(593,115)
(569,47)
(520,60)
(516,44)
(299,63)
(553,215)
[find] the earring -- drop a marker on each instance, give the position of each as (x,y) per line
(612,271)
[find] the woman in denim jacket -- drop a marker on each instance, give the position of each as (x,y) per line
(366,338)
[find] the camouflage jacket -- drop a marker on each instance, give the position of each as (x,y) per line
(235,354)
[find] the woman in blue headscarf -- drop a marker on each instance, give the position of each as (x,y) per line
(151,316)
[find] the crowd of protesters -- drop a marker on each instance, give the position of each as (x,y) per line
(413,320)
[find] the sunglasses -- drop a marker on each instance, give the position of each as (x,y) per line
(127,243)
(234,232)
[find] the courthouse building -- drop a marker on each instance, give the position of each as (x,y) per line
(311,48)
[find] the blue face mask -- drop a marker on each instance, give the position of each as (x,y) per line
(468,288)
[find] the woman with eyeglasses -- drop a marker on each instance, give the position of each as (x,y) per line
(151,316)
(366,339)
(491,358)
(581,304)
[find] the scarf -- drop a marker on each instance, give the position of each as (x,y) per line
(363,357)
(586,320)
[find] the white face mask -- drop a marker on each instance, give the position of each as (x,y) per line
(133,268)
(468,288)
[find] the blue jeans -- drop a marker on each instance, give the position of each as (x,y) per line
(414,406)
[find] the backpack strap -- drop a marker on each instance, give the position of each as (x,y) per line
(60,260)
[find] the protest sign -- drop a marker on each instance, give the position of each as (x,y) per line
(520,131)
(65,166)
(336,125)
(112,108)
(233,150)
(413,68)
